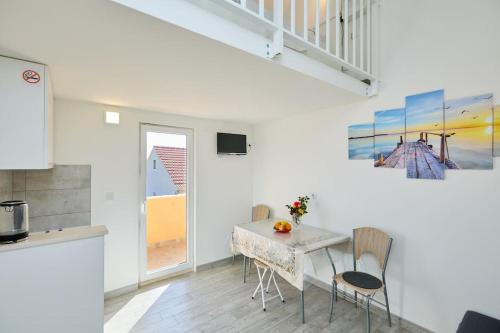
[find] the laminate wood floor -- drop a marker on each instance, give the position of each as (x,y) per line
(216,300)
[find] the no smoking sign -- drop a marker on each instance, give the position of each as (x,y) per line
(31,76)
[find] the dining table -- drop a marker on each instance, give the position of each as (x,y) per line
(284,252)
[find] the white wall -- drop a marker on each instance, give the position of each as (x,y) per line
(223,183)
(446,251)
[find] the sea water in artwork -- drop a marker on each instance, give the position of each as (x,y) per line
(424,135)
(469,132)
(389,138)
(361,141)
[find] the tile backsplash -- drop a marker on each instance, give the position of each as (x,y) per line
(57,198)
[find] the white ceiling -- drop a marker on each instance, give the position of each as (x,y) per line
(103,52)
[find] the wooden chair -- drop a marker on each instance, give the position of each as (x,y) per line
(365,240)
(260,212)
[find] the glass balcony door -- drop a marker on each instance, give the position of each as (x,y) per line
(166,235)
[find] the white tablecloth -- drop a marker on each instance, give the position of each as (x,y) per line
(283,252)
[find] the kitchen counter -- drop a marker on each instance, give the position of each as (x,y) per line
(56,236)
(54,283)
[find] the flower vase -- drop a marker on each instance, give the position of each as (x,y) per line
(296,221)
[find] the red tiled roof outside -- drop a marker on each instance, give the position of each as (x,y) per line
(174,159)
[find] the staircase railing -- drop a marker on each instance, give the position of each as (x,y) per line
(337,32)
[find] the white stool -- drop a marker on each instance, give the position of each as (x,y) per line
(261,266)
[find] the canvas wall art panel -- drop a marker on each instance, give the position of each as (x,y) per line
(496,131)
(389,139)
(469,132)
(361,141)
(424,135)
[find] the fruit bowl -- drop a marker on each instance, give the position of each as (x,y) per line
(282,227)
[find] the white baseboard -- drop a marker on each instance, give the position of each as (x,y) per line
(165,277)
(135,286)
(217,263)
(121,291)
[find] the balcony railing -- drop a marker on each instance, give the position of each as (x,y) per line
(337,32)
(166,231)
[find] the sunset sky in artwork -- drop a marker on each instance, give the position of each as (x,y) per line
(469,112)
(424,112)
(469,127)
(390,121)
(473,116)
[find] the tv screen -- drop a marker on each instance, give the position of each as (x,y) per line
(233,144)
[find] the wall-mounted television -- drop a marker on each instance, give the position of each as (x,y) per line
(231,144)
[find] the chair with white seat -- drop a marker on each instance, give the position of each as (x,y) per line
(262,275)
(365,240)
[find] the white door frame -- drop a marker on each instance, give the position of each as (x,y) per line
(144,276)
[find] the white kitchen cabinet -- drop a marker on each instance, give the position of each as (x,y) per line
(26,115)
(53,282)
